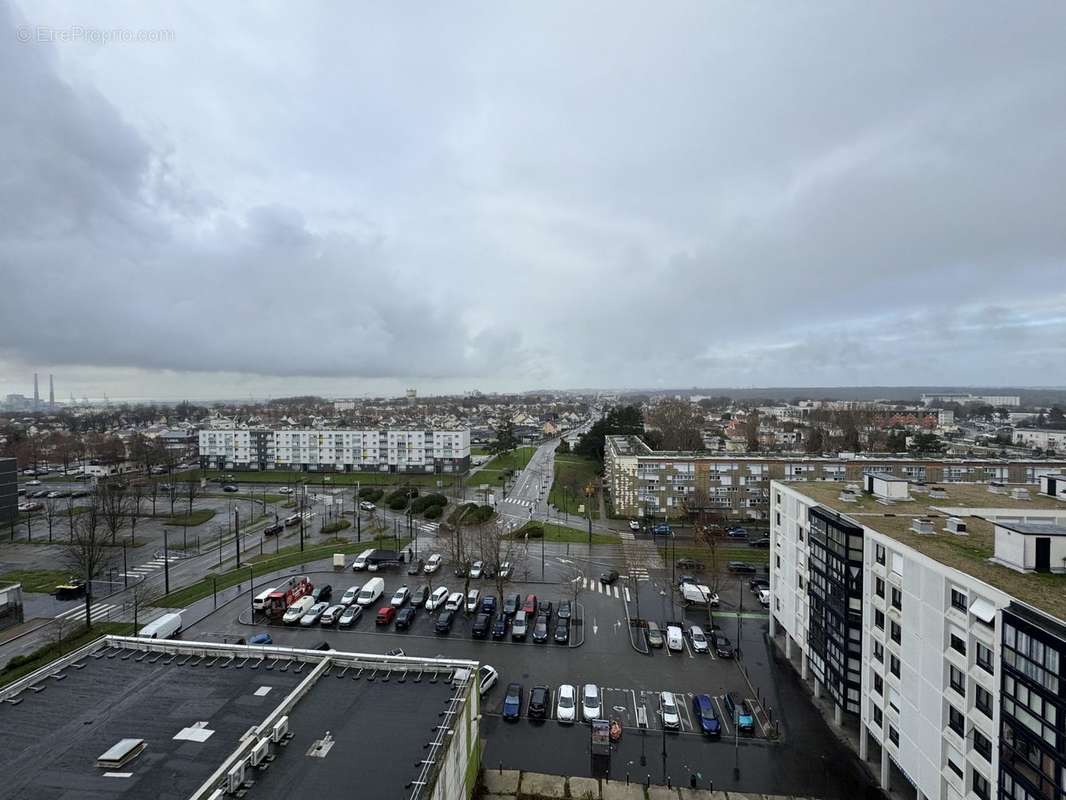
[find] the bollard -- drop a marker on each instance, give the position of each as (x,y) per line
(711,785)
(627,779)
(647,782)
(501,768)
(692,780)
(668,784)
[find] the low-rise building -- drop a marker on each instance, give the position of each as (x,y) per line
(1040,438)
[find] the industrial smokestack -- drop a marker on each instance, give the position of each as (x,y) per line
(36,393)
(51,392)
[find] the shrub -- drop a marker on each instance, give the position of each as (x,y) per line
(530,529)
(428,501)
(371,494)
(434,512)
(397,503)
(339,525)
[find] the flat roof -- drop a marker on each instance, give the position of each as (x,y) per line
(968,553)
(381,719)
(1033,529)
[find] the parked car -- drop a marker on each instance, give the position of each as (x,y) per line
(476,569)
(460,570)
(757,584)
(590,702)
(566,704)
(540,629)
(690,564)
(739,567)
(229,487)
(736,532)
(655,635)
(371,592)
(741,712)
(405,617)
(499,627)
(415,567)
(764,598)
(332,614)
(273,530)
(675,640)
(350,594)
(487,678)
(419,596)
(506,570)
(564,611)
(609,577)
(512,603)
(668,708)
(519,627)
(366,505)
(706,716)
(322,593)
(400,596)
(539,697)
(438,598)
(480,628)
(530,605)
(295,612)
(261,638)
(488,604)
(454,602)
(473,600)
(444,621)
(763,542)
(562,631)
(544,607)
(350,616)
(386,614)
(512,701)
(433,564)
(699,641)
(723,648)
(313,615)
(634,525)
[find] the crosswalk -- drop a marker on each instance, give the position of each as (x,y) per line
(429,527)
(520,502)
(594,585)
(640,554)
(148,567)
(99,612)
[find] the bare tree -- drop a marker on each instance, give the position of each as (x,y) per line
(113,504)
(51,514)
(71,515)
(192,491)
(88,553)
(680,423)
(134,507)
(498,547)
(141,594)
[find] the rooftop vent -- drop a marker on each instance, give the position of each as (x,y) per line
(995,487)
(922,525)
(1019,494)
(848,496)
(956,525)
(937,493)
(121,754)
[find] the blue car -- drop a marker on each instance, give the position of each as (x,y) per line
(488,604)
(261,638)
(706,716)
(512,701)
(741,712)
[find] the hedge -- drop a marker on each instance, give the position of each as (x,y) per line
(434,512)
(427,501)
(339,525)
(371,494)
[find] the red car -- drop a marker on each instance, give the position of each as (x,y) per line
(386,615)
(530,606)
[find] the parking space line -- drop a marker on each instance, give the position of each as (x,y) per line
(687,648)
(682,707)
(758,713)
(636,714)
(628,598)
(722,716)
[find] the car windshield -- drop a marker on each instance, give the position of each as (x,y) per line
(566,701)
(698,636)
(705,706)
(591,695)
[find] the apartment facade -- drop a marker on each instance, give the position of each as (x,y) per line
(346,450)
(1039,437)
(8,489)
(645,482)
(918,618)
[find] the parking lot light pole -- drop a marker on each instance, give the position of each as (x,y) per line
(125,569)
(166,564)
(237,533)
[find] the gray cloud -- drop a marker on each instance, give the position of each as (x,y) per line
(471,196)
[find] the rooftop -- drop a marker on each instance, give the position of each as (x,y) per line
(193,703)
(969,553)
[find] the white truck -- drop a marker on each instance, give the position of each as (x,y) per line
(698,594)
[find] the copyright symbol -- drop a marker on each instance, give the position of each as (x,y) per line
(23,34)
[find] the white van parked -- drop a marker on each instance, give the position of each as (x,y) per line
(294,612)
(260,599)
(764,597)
(371,592)
(360,560)
(674,638)
(162,628)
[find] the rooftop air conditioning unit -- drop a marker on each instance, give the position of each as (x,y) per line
(956,526)
(937,493)
(235,778)
(995,487)
(919,486)
(922,525)
(848,497)
(260,752)
(1019,494)
(281,727)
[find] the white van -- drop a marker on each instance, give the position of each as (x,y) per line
(371,592)
(298,609)
(360,560)
(260,599)
(764,597)
(674,638)
(162,628)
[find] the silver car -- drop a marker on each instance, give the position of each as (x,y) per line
(332,614)
(590,702)
(314,614)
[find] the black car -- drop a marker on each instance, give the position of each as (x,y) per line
(323,645)
(512,604)
(322,593)
(460,571)
(272,530)
(690,564)
(562,631)
(741,566)
(419,596)
(540,629)
(764,542)
(444,622)
(229,487)
(544,609)
(609,577)
(480,629)
(405,617)
(723,648)
(538,702)
(499,627)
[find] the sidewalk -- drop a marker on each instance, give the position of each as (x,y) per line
(511,785)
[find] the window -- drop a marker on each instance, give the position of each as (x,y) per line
(956,721)
(878,716)
(896,632)
(957,680)
(799,580)
(893,735)
(779,562)
(879,587)
(958,600)
(980,785)
(984,658)
(879,684)
(983,745)
(983,700)
(893,665)
(897,598)
(879,652)
(879,619)
(958,644)
(956,769)
(879,554)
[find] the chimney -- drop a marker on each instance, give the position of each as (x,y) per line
(51,392)
(36,393)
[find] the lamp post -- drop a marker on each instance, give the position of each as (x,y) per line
(166,563)
(237,533)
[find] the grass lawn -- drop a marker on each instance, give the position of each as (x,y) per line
(289,556)
(572,474)
(561,533)
(36,580)
(517,460)
(289,477)
(20,666)
(479,451)
(197,517)
(252,495)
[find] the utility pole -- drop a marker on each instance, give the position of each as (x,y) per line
(166,563)
(237,533)
(125,569)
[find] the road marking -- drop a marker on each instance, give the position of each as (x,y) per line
(96,612)
(723,718)
(628,598)
(689,649)
(682,710)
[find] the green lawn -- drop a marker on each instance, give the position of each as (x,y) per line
(572,474)
(197,517)
(516,460)
(290,556)
(480,451)
(20,666)
(289,477)
(36,580)
(561,533)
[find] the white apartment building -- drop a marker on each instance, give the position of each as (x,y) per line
(316,450)
(1039,437)
(908,614)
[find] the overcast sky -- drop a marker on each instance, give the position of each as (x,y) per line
(353,198)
